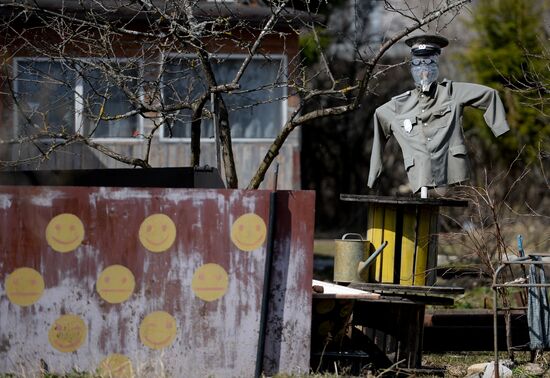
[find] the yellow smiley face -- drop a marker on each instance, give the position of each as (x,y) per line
(158,330)
(67,333)
(65,232)
(116,365)
(248,232)
(115,284)
(24,286)
(210,282)
(157,232)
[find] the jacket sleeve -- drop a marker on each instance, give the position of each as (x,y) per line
(485,98)
(381,135)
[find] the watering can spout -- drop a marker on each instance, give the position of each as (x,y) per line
(365,264)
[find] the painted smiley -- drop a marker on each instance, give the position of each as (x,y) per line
(116,365)
(248,232)
(115,284)
(24,286)
(67,333)
(158,330)
(210,282)
(65,232)
(157,232)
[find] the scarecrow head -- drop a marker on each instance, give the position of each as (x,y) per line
(425,51)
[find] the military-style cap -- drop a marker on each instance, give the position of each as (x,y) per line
(426,44)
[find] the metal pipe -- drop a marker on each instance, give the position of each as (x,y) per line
(364,265)
(521,261)
(267,284)
(495,330)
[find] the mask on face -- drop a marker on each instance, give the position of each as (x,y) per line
(424,70)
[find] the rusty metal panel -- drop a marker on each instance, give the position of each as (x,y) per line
(165,281)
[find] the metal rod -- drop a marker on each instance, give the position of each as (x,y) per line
(495,331)
(267,284)
(500,286)
(523,260)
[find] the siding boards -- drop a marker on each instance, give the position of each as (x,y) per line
(248,156)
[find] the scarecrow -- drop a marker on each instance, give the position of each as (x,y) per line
(427,121)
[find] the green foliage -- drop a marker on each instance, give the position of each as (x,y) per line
(310,49)
(506,52)
(478,297)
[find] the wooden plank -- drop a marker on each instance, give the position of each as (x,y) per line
(432,248)
(396,327)
(331,290)
(423,239)
(377,233)
(403,200)
(408,246)
(388,268)
(221,332)
(370,224)
(391,288)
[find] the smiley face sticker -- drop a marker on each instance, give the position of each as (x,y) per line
(65,232)
(116,365)
(210,282)
(157,233)
(158,330)
(115,284)
(67,333)
(24,286)
(248,232)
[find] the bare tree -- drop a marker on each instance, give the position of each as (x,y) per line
(81,70)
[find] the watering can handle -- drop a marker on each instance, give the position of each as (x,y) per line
(352,233)
(370,260)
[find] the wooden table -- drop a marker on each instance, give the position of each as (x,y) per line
(385,326)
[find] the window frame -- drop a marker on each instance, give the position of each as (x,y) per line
(77,92)
(283,107)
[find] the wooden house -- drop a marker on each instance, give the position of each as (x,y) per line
(53,82)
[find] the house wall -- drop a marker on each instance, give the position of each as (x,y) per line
(248,156)
(248,153)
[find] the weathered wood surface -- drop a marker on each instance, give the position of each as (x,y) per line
(404,289)
(210,333)
(404,200)
(248,156)
(334,291)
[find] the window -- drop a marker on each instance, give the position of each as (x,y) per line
(256,110)
(57,96)
(98,92)
(45,100)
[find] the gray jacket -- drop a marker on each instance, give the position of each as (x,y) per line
(428,127)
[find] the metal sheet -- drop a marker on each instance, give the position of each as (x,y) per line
(210,337)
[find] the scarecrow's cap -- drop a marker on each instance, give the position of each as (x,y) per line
(426,44)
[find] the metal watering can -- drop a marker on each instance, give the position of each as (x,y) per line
(352,260)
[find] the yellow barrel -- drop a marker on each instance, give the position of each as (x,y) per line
(410,257)
(410,226)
